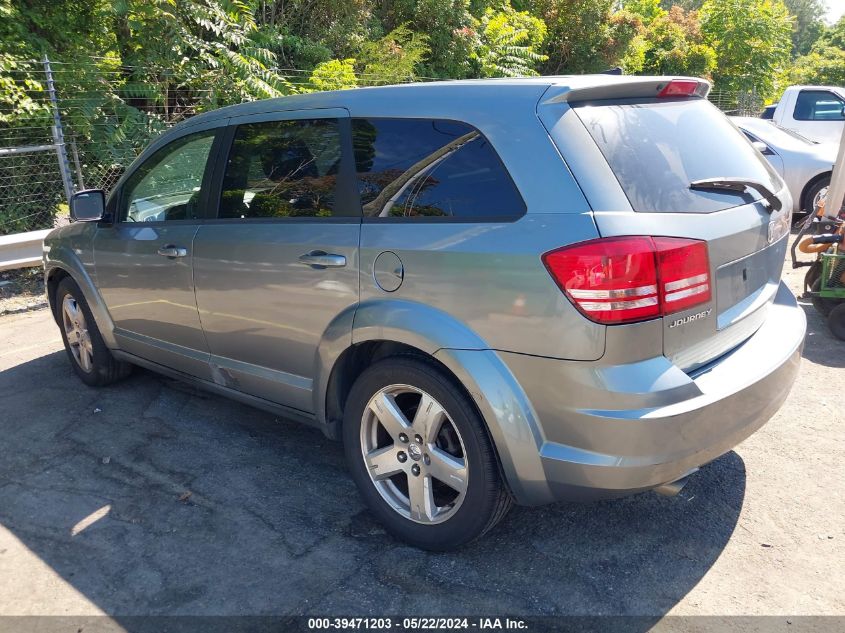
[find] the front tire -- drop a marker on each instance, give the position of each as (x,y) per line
(90,358)
(420,455)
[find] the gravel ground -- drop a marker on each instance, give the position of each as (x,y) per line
(151,498)
(22,291)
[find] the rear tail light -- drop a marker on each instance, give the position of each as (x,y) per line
(626,279)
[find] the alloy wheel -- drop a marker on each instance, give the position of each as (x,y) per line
(414,454)
(76,331)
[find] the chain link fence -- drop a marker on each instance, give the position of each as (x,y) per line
(66,126)
(737,103)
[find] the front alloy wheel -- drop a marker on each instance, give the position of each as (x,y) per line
(92,361)
(414,454)
(76,331)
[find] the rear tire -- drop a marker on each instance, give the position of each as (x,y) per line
(90,358)
(435,479)
(836,321)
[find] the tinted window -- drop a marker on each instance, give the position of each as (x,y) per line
(282,169)
(656,149)
(818,105)
(430,168)
(167,186)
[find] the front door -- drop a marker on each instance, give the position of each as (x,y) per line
(819,115)
(143,260)
(277,271)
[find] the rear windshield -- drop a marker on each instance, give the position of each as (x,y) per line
(657,148)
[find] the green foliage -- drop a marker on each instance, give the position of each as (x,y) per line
(448,25)
(834,35)
(19,85)
(393,58)
(584,35)
(808,24)
(335,74)
(213,46)
(824,65)
(672,44)
(752,39)
(508,45)
(648,10)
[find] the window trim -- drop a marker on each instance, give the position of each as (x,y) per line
(346,192)
(428,219)
(833,96)
(120,208)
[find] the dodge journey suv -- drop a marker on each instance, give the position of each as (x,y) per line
(525,290)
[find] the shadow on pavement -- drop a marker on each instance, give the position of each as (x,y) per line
(821,346)
(153,500)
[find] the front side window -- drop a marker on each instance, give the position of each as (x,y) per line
(167,186)
(818,105)
(418,168)
(281,169)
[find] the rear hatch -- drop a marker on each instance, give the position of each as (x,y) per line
(656,148)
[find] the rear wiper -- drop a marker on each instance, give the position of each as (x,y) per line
(739,185)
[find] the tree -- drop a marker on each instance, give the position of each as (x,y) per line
(335,74)
(447,24)
(672,44)
(808,24)
(508,43)
(834,35)
(824,65)
(752,40)
(584,35)
(393,58)
(648,10)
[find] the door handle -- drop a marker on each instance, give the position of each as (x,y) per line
(320,260)
(172,251)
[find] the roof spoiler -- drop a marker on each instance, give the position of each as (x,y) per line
(630,87)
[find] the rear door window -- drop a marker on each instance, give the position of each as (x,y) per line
(282,169)
(657,148)
(429,168)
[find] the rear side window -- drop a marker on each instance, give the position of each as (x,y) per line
(430,168)
(280,169)
(818,105)
(657,148)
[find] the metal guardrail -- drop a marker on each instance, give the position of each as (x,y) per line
(22,250)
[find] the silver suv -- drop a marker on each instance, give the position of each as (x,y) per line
(492,291)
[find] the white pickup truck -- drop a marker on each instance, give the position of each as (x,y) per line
(815,112)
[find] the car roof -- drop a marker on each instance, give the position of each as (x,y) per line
(461,93)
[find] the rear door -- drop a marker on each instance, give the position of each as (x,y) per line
(654,149)
(279,264)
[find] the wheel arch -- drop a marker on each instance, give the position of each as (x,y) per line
(807,187)
(380,330)
(61,263)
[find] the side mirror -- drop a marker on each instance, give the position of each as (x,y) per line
(761,147)
(88,205)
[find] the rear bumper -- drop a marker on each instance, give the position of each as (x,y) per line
(612,430)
